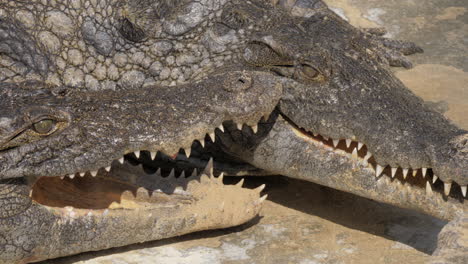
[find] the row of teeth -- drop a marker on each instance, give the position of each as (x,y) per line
(143,193)
(380,169)
(335,142)
(153,154)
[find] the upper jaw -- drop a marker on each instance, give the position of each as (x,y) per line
(165,119)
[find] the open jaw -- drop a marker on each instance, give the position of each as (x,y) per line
(136,182)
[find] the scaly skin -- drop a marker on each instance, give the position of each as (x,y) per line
(334,78)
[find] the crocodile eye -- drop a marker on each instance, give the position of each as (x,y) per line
(131,31)
(309,72)
(44,126)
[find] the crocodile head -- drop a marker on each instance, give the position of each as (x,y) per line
(61,179)
(358,118)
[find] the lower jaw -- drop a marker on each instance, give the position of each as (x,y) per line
(128,206)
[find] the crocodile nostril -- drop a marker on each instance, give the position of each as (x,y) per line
(238,83)
(461,143)
(244,83)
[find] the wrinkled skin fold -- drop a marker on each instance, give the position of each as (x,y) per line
(266,87)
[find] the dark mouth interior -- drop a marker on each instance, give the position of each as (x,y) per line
(101,192)
(81,192)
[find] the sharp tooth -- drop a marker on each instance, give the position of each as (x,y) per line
(82,174)
(348,143)
(94,173)
(172,173)
(335,142)
(239,126)
(447,187)
(368,156)
(262,199)
(221,127)
(194,173)
(158,172)
(354,154)
(260,188)
(434,179)
(153,155)
(71,176)
(202,142)
(315,134)
(359,145)
(188,151)
(255,129)
(221,177)
(463,190)
(212,136)
(114,205)
(424,171)
(325,138)
(428,188)
(394,172)
(405,173)
(127,195)
(137,154)
(121,160)
(240,183)
(108,168)
(62,177)
(182,175)
(209,168)
(378,170)
(415,172)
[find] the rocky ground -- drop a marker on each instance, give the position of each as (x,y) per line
(307,224)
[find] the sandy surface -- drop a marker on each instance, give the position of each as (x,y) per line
(308,224)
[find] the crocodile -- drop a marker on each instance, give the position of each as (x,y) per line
(89,89)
